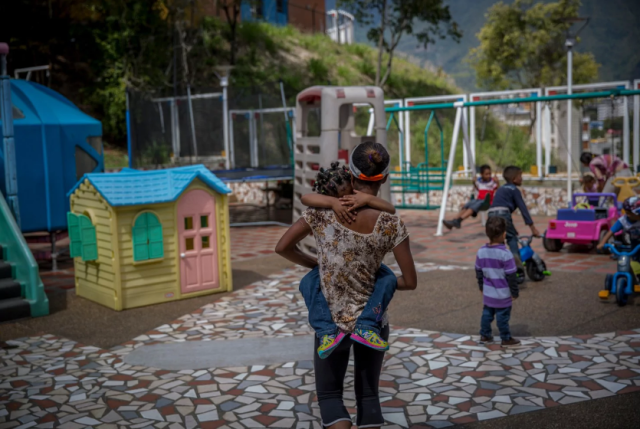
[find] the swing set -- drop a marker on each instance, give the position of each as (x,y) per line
(423,178)
(460,123)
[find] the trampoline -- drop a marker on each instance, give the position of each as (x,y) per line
(248,214)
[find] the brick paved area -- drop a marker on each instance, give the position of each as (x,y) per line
(430,379)
(459,246)
(455,247)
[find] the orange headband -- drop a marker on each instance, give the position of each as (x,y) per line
(375,178)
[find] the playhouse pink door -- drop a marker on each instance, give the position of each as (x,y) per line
(198,244)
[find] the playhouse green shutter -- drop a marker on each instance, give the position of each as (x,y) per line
(75,239)
(147,238)
(154,233)
(89,242)
(140,239)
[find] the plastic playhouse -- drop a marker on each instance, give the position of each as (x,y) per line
(325,133)
(145,237)
(584,226)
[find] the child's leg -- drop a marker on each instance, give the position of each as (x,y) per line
(512,240)
(502,318)
(485,323)
(385,287)
(464,214)
(319,314)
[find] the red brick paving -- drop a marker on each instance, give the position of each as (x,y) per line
(454,247)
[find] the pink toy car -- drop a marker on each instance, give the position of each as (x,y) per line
(581,226)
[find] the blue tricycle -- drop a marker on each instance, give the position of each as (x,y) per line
(622,284)
(535,266)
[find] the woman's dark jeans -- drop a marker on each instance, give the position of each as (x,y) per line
(330,373)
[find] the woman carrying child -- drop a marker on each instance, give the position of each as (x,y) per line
(349,257)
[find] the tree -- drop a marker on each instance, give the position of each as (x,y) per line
(427,20)
(523,46)
(231,10)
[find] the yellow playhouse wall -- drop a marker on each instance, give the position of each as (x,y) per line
(155,281)
(98,280)
(224,243)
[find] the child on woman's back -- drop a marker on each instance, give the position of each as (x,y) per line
(335,191)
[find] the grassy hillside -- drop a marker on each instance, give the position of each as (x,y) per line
(269,54)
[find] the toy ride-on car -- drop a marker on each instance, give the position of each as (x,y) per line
(624,282)
(585,226)
(534,265)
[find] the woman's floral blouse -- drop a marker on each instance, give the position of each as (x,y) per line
(349,261)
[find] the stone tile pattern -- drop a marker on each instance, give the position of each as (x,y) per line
(540,200)
(430,379)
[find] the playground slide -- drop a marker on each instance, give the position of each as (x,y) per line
(21,290)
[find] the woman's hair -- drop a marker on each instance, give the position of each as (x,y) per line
(371,158)
(330,182)
(586,157)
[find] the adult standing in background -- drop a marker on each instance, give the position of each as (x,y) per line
(605,168)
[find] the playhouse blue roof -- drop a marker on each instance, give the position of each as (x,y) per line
(133,187)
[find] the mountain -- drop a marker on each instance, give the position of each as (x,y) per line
(612,35)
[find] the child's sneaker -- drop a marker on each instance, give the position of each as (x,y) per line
(328,344)
(486,340)
(450,224)
(511,342)
(370,339)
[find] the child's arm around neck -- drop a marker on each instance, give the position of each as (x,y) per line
(360,199)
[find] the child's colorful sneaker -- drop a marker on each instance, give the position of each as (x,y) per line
(328,344)
(370,339)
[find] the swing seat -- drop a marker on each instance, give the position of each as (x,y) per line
(486,203)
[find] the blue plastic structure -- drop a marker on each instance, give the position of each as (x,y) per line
(55,145)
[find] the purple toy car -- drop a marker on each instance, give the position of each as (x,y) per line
(585,226)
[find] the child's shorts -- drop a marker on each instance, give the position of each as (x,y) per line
(474,205)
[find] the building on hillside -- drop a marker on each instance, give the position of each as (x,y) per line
(306,15)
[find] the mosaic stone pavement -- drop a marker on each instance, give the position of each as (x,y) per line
(430,379)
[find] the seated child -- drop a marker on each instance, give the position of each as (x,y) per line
(334,191)
(589,185)
(506,200)
(485,184)
(630,224)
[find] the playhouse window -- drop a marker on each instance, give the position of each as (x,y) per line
(204,221)
(147,238)
(82,237)
(205,242)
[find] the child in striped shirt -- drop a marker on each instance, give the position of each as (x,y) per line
(496,275)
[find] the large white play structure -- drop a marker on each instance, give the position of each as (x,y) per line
(326,132)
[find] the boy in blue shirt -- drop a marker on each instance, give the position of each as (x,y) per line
(506,200)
